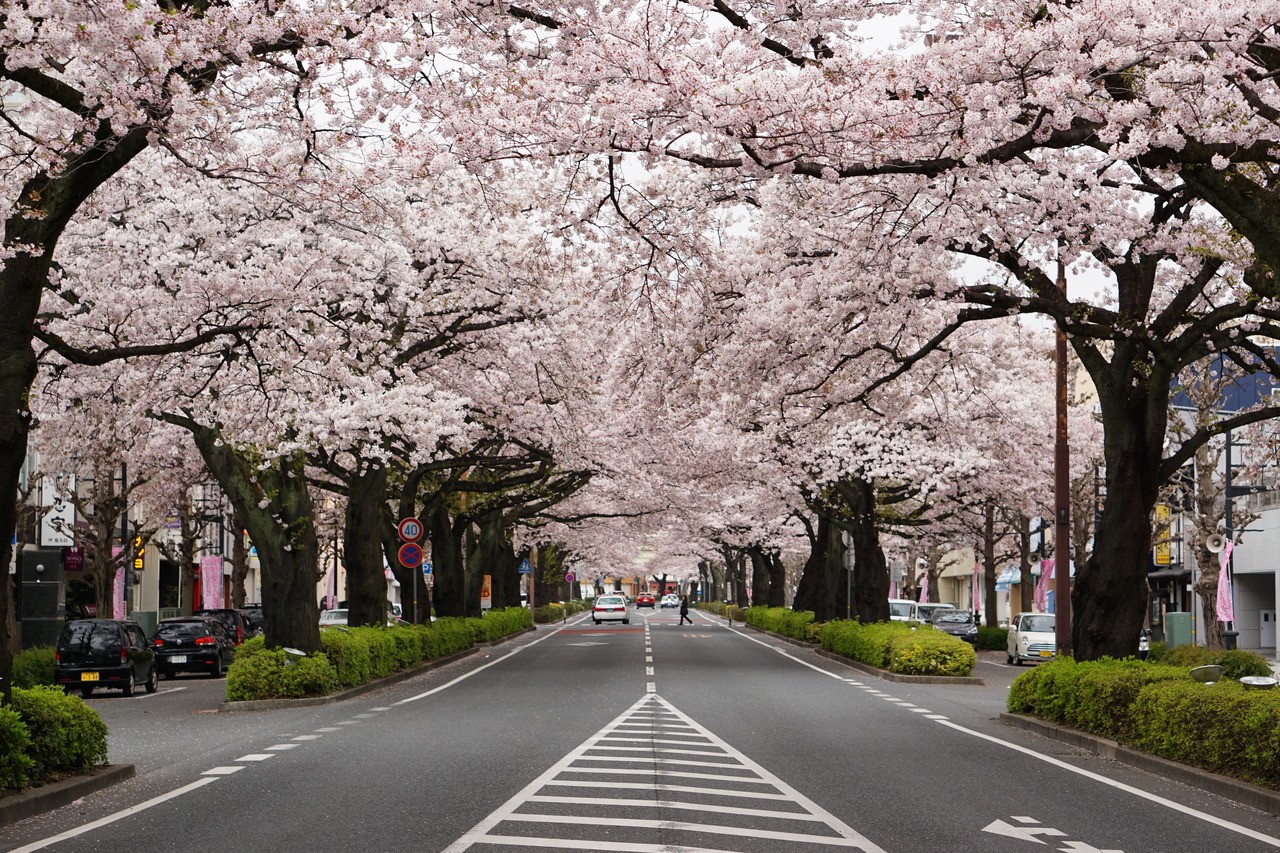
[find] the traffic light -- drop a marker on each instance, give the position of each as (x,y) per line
(139,548)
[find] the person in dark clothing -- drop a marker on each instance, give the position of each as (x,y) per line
(684,609)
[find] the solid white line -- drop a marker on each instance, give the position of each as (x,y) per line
(705,828)
(676,804)
(1137,792)
(647,760)
(607,846)
(662,786)
(112,818)
(479,669)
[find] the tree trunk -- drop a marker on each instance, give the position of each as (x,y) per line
(777,579)
(989,564)
(1109,600)
(1206,587)
(239,561)
(283,531)
(417,604)
(450,592)
(546,573)
(870,569)
(362,546)
(759,577)
(1026,586)
(497,558)
(824,587)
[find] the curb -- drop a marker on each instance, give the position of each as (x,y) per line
(367,687)
(55,795)
(1245,793)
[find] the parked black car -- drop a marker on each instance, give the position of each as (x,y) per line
(257,622)
(95,653)
(957,623)
(192,644)
(236,623)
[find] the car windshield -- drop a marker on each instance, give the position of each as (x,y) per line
(927,610)
(610,599)
(951,616)
(900,608)
(98,636)
(1038,624)
(333,616)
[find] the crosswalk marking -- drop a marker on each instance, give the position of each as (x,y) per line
(721,816)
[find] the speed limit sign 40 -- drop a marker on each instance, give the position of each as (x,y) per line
(410,529)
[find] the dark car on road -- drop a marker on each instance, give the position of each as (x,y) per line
(237,624)
(957,623)
(192,644)
(257,622)
(94,653)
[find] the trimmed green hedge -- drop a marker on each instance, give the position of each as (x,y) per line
(1159,708)
(899,647)
(1235,663)
(780,620)
(34,667)
(352,656)
(45,733)
(731,612)
(993,639)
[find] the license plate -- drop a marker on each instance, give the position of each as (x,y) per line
(1045,653)
(178,659)
(88,676)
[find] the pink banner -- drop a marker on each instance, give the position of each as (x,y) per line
(117,586)
(975,594)
(924,587)
(211,581)
(1042,585)
(1224,606)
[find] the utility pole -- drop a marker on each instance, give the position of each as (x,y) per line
(1062,488)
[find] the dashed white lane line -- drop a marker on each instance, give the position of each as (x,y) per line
(222,771)
(327,729)
(281,747)
(256,756)
(307,737)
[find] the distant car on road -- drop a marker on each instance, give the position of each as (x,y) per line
(645,599)
(1032,637)
(670,600)
(900,609)
(192,644)
(957,623)
(94,653)
(923,611)
(611,608)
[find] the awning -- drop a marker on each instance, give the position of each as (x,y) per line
(1006,577)
(1169,573)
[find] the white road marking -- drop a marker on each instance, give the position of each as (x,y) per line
(222,771)
(568,772)
(112,818)
(281,747)
(308,737)
(256,756)
(650,687)
(328,729)
(648,670)
(1137,792)
(379,709)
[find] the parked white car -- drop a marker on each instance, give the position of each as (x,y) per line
(923,611)
(333,617)
(1032,637)
(900,609)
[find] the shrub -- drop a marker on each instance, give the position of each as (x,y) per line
(34,667)
(445,637)
(866,643)
(813,632)
(66,734)
(780,620)
(382,650)
(16,765)
(545,613)
(1221,727)
(268,674)
(513,620)
(1235,663)
(349,655)
(993,639)
(930,652)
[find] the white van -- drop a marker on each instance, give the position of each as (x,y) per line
(900,609)
(923,611)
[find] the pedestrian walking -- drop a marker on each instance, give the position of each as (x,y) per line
(684,609)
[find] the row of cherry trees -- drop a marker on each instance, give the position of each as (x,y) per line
(710,277)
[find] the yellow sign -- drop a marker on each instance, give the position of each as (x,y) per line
(486,593)
(1163,544)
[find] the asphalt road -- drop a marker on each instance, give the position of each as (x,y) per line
(648,737)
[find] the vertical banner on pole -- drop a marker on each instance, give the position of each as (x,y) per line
(117,586)
(211,581)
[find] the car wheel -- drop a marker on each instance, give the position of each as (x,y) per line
(597,621)
(626,621)
(153,682)
(129,684)
(1008,658)
(216,671)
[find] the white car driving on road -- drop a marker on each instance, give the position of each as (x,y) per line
(1032,637)
(611,608)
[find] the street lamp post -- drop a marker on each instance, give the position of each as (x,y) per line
(1062,488)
